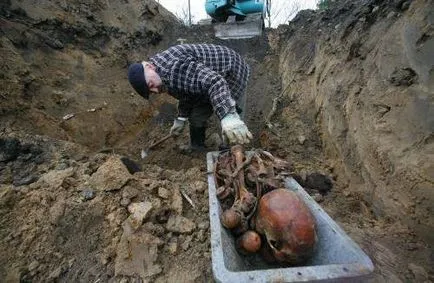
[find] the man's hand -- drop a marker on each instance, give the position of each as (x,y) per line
(235,130)
(178,126)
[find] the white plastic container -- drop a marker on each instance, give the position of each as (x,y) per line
(337,258)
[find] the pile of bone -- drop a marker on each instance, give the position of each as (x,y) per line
(264,217)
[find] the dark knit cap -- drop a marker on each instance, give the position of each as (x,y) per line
(136,76)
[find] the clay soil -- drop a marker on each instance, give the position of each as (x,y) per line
(78,204)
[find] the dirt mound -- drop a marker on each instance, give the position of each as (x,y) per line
(69,58)
(81,218)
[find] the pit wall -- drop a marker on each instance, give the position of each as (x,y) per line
(367,71)
(69,59)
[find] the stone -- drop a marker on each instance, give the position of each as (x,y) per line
(172,247)
(129,192)
(111,175)
(57,211)
(375,9)
(391,15)
(204,209)
(87,194)
(180,224)
(176,201)
(62,166)
(200,236)
(125,202)
(301,139)
(58,255)
(186,242)
(365,211)
(156,203)
(54,178)
(156,229)
(137,255)
(116,217)
(192,173)
(318,197)
(163,193)
(203,225)
(33,265)
(199,186)
(140,210)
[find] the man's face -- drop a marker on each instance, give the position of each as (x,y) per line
(153,80)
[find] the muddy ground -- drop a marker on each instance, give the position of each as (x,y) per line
(75,192)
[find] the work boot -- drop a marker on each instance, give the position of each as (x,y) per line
(197,141)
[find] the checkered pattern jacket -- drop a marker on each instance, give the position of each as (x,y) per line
(203,72)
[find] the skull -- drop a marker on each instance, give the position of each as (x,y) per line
(288,226)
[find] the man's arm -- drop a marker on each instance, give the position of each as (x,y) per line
(238,80)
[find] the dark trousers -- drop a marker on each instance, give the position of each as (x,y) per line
(198,120)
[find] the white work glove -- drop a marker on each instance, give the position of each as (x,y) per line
(235,130)
(178,126)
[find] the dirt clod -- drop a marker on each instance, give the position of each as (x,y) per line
(110,176)
(180,224)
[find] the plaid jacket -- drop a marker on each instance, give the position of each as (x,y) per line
(203,72)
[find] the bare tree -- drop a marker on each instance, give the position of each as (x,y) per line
(184,14)
(282,11)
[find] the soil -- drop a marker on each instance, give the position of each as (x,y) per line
(354,91)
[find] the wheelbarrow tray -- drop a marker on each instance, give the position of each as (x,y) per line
(337,258)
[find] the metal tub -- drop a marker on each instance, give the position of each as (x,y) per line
(337,257)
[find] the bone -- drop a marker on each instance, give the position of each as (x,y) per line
(246,199)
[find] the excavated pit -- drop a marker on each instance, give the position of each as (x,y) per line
(355,89)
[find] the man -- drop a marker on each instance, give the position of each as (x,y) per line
(205,78)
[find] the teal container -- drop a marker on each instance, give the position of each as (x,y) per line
(248,7)
(221,9)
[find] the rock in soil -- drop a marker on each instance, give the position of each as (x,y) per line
(110,176)
(180,224)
